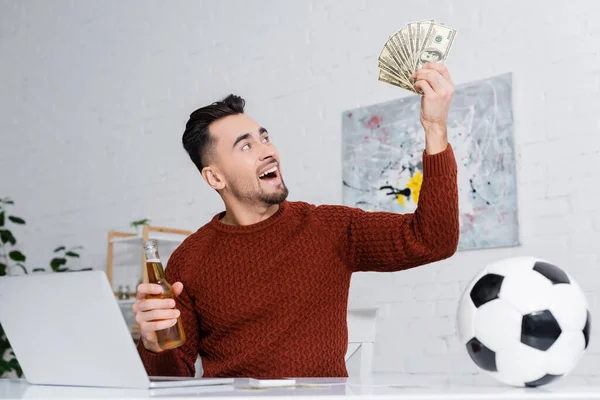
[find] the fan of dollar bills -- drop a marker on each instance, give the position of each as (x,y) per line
(411,47)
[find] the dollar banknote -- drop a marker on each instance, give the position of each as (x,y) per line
(411,47)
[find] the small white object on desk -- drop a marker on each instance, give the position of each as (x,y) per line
(268,383)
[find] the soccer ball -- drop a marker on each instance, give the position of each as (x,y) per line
(524,321)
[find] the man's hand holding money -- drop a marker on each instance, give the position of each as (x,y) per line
(414,58)
(434,81)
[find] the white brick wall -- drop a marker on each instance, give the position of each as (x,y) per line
(95,96)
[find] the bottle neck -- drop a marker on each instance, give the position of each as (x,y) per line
(154,266)
(155,270)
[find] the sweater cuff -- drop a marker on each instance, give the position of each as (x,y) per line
(441,163)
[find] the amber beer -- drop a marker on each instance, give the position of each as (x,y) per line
(174,336)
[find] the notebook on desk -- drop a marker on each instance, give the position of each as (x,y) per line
(67,329)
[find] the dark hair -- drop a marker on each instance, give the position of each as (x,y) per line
(197,140)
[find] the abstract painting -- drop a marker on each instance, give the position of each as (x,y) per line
(382,159)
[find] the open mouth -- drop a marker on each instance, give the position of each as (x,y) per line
(270,174)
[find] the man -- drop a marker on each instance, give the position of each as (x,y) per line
(262,288)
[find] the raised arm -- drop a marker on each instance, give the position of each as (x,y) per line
(386,241)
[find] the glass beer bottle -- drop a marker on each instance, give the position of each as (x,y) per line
(174,336)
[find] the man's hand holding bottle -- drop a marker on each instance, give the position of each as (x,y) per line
(153,313)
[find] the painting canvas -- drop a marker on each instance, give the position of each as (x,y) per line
(382,159)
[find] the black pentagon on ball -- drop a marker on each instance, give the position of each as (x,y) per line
(551,272)
(481,355)
(543,380)
(540,330)
(486,289)
(586,329)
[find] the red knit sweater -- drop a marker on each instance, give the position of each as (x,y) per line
(270,299)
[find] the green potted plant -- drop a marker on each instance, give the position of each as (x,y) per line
(136,224)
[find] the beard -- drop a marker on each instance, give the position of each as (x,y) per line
(276,197)
(245,192)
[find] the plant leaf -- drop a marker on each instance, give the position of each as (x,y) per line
(7,200)
(57,262)
(16,220)
(2,269)
(6,236)
(14,364)
(39,270)
(140,222)
(22,267)
(16,255)
(56,250)
(2,218)
(4,344)
(71,254)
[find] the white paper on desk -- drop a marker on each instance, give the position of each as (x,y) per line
(271,383)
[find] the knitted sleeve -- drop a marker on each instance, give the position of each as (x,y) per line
(388,241)
(385,241)
(179,361)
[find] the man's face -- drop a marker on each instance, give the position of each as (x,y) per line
(247,160)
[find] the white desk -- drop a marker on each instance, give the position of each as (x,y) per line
(374,387)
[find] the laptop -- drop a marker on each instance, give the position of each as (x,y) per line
(67,329)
